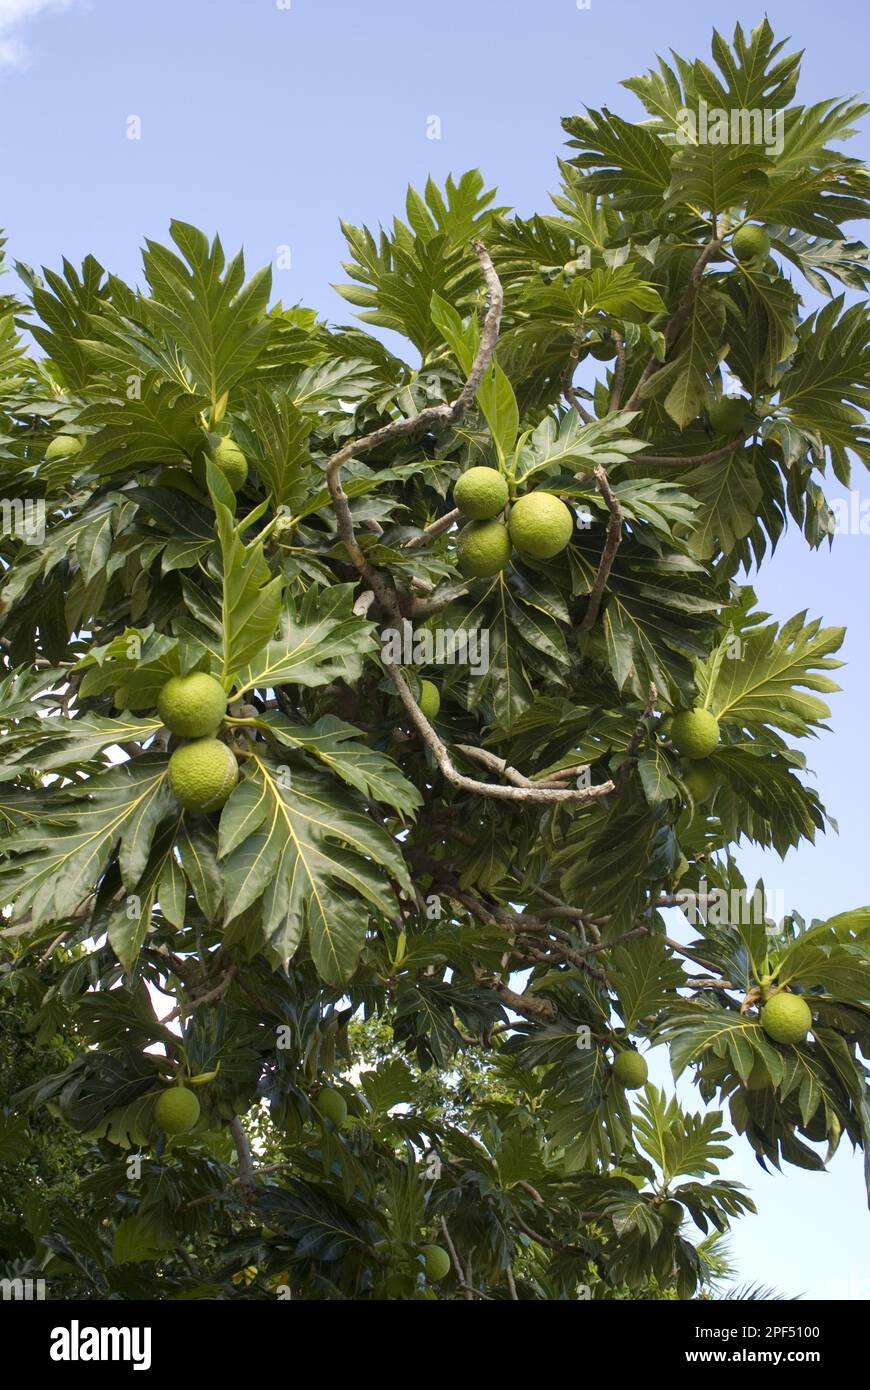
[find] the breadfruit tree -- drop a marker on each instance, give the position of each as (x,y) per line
(345,690)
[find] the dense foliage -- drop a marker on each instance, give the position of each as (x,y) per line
(456,921)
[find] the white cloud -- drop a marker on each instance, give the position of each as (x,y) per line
(14,14)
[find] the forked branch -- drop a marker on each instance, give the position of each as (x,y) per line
(529,792)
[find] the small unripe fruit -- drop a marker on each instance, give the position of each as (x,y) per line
(603,351)
(695,733)
(228,457)
(332,1106)
(750,242)
(481,493)
(192,706)
(430,699)
(728,415)
(484,548)
(63,446)
(540,525)
(787,1018)
(700,780)
(176,1110)
(232,462)
(437,1262)
(671,1212)
(202,774)
(630,1070)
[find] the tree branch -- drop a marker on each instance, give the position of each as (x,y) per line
(618,373)
(692,460)
(636,739)
(246,1163)
(445,764)
(210,997)
(677,322)
(568,389)
(434,529)
(608,554)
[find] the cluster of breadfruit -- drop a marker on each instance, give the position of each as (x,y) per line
(225,455)
(694,733)
(539,525)
(203,771)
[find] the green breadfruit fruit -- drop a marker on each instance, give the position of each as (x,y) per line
(177,1110)
(728,415)
(63,446)
(630,1070)
(604,350)
(484,548)
(437,1262)
(228,457)
(430,699)
(671,1212)
(192,706)
(540,525)
(202,774)
(701,780)
(232,462)
(786,1018)
(332,1106)
(695,733)
(480,494)
(750,242)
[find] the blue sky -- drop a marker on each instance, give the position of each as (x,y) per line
(269,121)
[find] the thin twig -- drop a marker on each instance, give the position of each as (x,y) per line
(677,322)
(495,764)
(608,554)
(210,997)
(618,373)
(570,393)
(442,524)
(640,732)
(462,1277)
(693,460)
